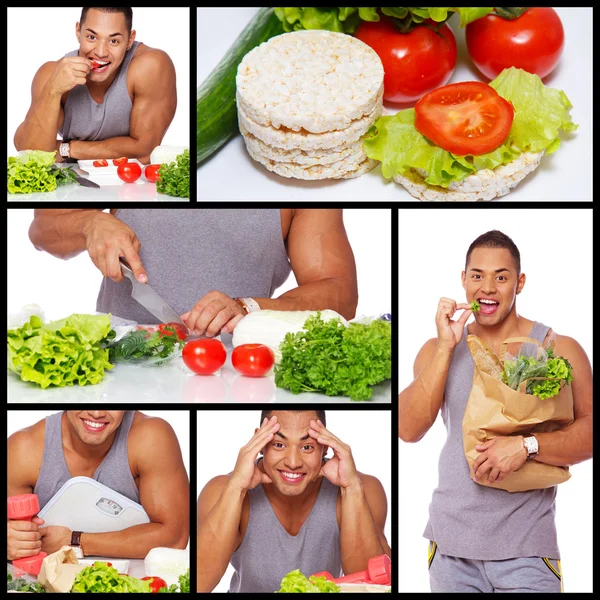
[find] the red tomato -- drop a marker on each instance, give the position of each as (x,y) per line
(414,63)
(100,163)
(533,42)
(120,161)
(204,356)
(252,360)
(151,173)
(464,118)
(155,583)
(166,329)
(129,172)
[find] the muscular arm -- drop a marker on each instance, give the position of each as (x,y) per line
(23,458)
(323,264)
(420,403)
(164,494)
(219,515)
(154,104)
(44,117)
(572,444)
(362,520)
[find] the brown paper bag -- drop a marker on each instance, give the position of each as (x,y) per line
(59,570)
(494,409)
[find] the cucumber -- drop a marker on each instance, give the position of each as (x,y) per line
(216,111)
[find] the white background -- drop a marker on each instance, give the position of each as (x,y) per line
(357,428)
(37,35)
(556,256)
(564,175)
(65,287)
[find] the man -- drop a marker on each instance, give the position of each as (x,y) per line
(290,509)
(133,454)
(484,539)
(112,97)
(211,266)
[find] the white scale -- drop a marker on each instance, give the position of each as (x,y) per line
(83,504)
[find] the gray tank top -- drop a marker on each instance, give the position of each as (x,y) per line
(87,120)
(473,521)
(189,252)
(113,471)
(268,552)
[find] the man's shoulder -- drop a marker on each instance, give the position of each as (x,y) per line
(149,59)
(212,489)
(145,427)
(565,345)
(26,446)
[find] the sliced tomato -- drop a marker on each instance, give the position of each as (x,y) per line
(100,163)
(156,583)
(120,161)
(464,118)
(172,329)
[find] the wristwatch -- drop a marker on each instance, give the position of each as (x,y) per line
(76,543)
(531,446)
(248,304)
(65,150)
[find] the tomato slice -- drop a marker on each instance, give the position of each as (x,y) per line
(464,118)
(172,329)
(100,163)
(120,161)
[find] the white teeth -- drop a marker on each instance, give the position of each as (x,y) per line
(292,475)
(485,301)
(94,424)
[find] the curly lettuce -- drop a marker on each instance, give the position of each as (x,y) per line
(297,582)
(32,171)
(101,578)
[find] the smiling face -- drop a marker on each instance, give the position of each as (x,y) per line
(492,279)
(104,39)
(93,427)
(292,459)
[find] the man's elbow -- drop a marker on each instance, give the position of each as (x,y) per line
(409,433)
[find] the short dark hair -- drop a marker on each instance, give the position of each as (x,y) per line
(265,414)
(127,11)
(495,239)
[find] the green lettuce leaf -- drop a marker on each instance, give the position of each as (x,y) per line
(297,582)
(540,114)
(99,578)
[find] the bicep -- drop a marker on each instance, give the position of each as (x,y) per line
(377,501)
(20,464)
(37,86)
(582,377)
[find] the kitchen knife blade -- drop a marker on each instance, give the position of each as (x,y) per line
(85,182)
(149,299)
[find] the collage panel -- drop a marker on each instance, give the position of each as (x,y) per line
(495,401)
(294,501)
(103,113)
(98,501)
(204,305)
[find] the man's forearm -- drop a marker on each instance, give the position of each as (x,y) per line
(334,294)
(133,542)
(38,131)
(114,147)
(359,539)
(217,537)
(567,446)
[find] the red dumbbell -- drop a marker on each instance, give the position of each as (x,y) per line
(379,571)
(24,508)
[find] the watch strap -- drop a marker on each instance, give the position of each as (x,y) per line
(248,304)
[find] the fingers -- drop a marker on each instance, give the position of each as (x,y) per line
(264,435)
(493,476)
(230,325)
(323,436)
(37,521)
(211,313)
(465,316)
(135,262)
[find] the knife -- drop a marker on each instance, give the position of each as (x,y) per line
(85,182)
(149,299)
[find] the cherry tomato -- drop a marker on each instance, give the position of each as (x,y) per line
(252,360)
(179,329)
(100,163)
(464,118)
(532,42)
(414,63)
(155,583)
(151,173)
(129,172)
(204,356)
(120,161)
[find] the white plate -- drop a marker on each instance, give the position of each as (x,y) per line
(88,166)
(106,175)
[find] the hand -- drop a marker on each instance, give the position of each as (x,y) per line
(54,538)
(69,72)
(213,313)
(499,457)
(106,239)
(246,475)
(340,470)
(449,333)
(23,538)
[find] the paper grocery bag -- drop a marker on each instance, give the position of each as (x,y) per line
(494,409)
(59,570)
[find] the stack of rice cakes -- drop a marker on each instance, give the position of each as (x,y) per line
(305,99)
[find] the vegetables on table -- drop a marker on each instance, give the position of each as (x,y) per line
(102,162)
(120,161)
(415,62)
(61,353)
(173,329)
(184,582)
(330,358)
(174,177)
(204,356)
(463,118)
(296,581)
(216,119)
(33,171)
(156,583)
(252,360)
(20,584)
(146,347)
(129,172)
(171,564)
(99,577)
(475,306)
(165,154)
(527,38)
(151,173)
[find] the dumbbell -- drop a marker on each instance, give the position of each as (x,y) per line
(23,508)
(379,571)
